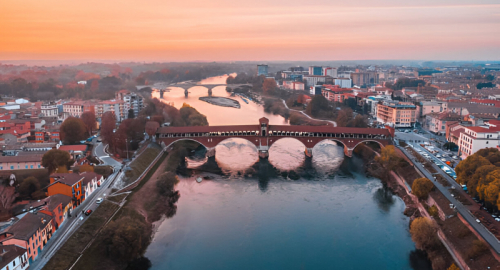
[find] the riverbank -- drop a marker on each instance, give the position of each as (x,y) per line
(459,243)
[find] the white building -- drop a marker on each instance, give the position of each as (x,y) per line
(49,110)
(330,71)
(22,101)
(343,82)
(314,79)
(473,139)
(292,85)
(13,257)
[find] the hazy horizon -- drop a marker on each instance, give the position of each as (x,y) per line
(223,30)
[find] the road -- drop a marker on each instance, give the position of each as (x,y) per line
(485,234)
(71,224)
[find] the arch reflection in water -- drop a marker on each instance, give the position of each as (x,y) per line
(327,156)
(236,155)
(287,154)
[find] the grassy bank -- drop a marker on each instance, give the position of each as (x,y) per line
(70,251)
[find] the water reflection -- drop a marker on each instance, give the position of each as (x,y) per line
(235,155)
(327,157)
(287,154)
(384,198)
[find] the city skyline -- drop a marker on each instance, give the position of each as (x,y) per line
(222,30)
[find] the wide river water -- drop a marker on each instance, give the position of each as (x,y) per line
(337,218)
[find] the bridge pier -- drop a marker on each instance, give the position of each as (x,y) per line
(161,93)
(186,92)
(210,152)
(348,152)
(263,154)
(209,92)
(308,152)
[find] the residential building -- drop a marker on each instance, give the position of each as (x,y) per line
(262,70)
(329,71)
(13,258)
(316,71)
(115,106)
(77,108)
(132,101)
(436,122)
(343,82)
(31,232)
(69,184)
(315,79)
(432,107)
(396,114)
(24,162)
(473,139)
(49,110)
(364,78)
(91,182)
(292,85)
(334,93)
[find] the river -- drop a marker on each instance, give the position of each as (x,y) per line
(334,217)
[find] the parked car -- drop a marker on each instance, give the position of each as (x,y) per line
(88,212)
(99,200)
(454,157)
(497,219)
(478,221)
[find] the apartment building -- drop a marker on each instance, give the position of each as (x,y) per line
(49,110)
(115,106)
(77,108)
(69,184)
(13,258)
(396,114)
(335,93)
(473,139)
(436,122)
(31,232)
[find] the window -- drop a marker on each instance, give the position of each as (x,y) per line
(26,166)
(31,167)
(12,167)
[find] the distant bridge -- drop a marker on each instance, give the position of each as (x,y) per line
(186,86)
(263,136)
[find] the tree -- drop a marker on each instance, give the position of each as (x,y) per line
(56,158)
(388,158)
(344,117)
(453,267)
(360,121)
(131,114)
(192,117)
(7,196)
(72,130)
(151,127)
(166,183)
(318,104)
(88,118)
(269,86)
(29,186)
(424,234)
(125,238)
(86,168)
(421,188)
(108,124)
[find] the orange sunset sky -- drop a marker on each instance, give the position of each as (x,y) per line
(222,30)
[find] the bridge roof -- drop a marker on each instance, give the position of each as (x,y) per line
(330,129)
(320,129)
(202,129)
